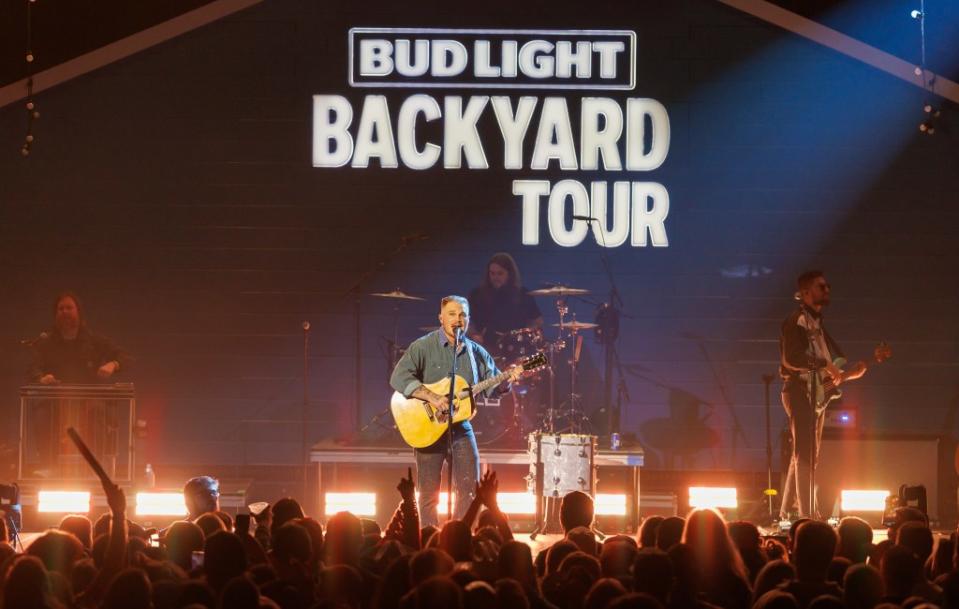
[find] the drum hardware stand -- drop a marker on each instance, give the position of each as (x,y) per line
(355,291)
(769,492)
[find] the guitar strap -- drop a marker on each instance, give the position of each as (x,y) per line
(469,349)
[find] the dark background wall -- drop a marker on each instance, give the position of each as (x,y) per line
(174,191)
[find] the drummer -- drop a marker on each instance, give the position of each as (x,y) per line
(501,306)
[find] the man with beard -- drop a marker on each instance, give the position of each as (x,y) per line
(805,346)
(70,352)
(501,304)
(428,360)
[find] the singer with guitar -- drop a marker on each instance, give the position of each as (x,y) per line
(808,356)
(427,361)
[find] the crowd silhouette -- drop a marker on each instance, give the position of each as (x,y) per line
(289,561)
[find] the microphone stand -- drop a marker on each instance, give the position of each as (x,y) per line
(449,425)
(770,491)
(304,412)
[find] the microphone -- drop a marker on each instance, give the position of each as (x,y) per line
(29,342)
(306,326)
(585,218)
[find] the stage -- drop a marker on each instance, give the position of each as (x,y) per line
(330,458)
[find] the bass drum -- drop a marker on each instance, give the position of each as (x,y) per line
(500,422)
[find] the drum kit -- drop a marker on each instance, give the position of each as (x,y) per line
(525,409)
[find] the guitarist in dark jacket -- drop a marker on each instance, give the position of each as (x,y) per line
(806,349)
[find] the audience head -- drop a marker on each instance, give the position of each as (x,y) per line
(557,552)
(285,510)
(648,531)
(429,563)
(776,599)
(457,541)
(181,540)
(771,575)
(576,510)
(509,593)
(344,540)
(438,592)
(917,537)
(201,495)
(901,571)
(861,587)
(28,584)
(57,550)
(223,558)
(79,526)
(855,539)
(210,523)
(341,585)
(479,595)
(603,592)
(670,532)
(130,589)
(291,550)
(239,593)
(616,559)
(813,550)
(584,539)
(515,561)
(653,574)
(707,537)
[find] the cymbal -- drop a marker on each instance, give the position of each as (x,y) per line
(576,326)
(559,290)
(397,294)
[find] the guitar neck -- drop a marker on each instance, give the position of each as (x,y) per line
(482,386)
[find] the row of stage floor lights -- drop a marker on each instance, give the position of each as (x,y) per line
(364,503)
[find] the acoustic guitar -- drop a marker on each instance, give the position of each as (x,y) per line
(421,424)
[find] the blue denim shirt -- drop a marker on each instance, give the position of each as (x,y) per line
(429,358)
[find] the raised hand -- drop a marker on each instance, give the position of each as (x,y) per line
(486,489)
(406,486)
(116,498)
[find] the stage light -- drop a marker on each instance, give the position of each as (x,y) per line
(927,127)
(161,504)
(916,14)
(609,504)
(516,503)
(360,504)
(712,497)
(72,502)
(441,508)
(863,501)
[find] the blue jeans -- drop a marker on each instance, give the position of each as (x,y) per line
(429,468)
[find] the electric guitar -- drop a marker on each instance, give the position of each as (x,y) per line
(421,424)
(827,389)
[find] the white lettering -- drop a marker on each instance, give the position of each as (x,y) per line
(460,133)
(406,132)
(513,127)
(534,59)
(421,60)
(649,218)
(374,136)
(573,236)
(332,143)
(554,120)
(595,141)
(449,58)
(375,57)
(637,109)
(530,191)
